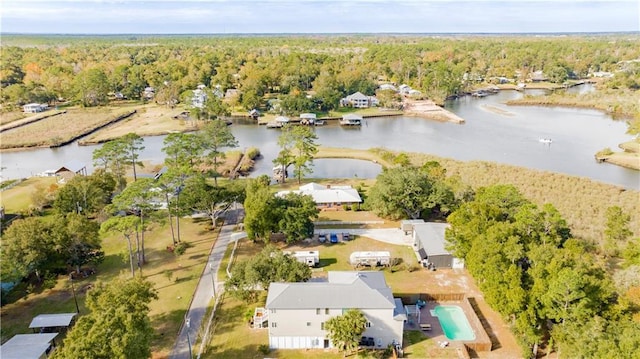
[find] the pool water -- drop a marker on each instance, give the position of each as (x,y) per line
(454,323)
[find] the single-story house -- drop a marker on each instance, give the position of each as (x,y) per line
(47,323)
(148,93)
(388,87)
(297,312)
(71,169)
(429,243)
(35,107)
(538,76)
(28,346)
(328,197)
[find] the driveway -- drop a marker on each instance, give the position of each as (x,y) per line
(388,235)
(184,347)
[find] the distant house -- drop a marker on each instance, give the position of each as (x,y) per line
(429,243)
(231,93)
(296,313)
(199,97)
(328,197)
(538,76)
(148,93)
(388,87)
(404,89)
(359,100)
(28,346)
(71,169)
(35,107)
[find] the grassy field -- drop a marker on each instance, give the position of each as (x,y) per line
(150,120)
(58,129)
(175,278)
(18,198)
(8,117)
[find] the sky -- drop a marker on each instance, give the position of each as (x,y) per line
(317,16)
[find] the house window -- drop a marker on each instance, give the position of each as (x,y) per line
(326,311)
(273,311)
(274,325)
(318,311)
(322,326)
(308,324)
(368,325)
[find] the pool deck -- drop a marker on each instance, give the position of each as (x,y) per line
(437,334)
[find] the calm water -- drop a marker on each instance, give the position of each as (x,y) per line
(493,132)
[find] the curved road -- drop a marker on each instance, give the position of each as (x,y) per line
(184,347)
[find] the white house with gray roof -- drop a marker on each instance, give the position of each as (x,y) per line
(297,312)
(328,196)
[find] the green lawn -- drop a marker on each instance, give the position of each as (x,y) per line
(18,198)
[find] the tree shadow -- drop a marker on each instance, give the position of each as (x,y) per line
(324,262)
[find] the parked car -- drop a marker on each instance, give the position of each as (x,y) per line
(333,238)
(322,237)
(345,236)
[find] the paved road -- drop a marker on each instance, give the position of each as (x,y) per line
(205,289)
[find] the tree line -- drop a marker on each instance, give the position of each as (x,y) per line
(87,70)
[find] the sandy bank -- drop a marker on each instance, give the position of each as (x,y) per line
(429,110)
(497,110)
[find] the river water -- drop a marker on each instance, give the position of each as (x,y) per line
(493,132)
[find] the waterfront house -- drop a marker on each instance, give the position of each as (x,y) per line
(35,107)
(70,170)
(356,100)
(296,313)
(328,197)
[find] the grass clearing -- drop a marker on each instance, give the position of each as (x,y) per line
(8,117)
(150,120)
(58,129)
(175,278)
(18,198)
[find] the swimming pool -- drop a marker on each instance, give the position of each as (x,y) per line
(454,323)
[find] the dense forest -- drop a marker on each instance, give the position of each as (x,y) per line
(87,69)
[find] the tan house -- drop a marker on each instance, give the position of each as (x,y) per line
(297,312)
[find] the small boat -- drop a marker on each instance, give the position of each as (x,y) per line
(545,140)
(319,123)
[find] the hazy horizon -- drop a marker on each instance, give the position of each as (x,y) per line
(225,17)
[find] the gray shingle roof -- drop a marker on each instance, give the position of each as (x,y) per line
(363,290)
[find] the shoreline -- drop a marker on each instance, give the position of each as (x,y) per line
(429,110)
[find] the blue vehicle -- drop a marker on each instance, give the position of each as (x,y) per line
(333,238)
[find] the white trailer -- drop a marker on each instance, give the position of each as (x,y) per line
(310,258)
(370,259)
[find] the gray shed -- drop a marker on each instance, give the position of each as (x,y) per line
(407,225)
(429,243)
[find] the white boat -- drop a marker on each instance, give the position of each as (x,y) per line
(545,140)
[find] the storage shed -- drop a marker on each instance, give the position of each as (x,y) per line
(407,225)
(371,259)
(46,323)
(429,243)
